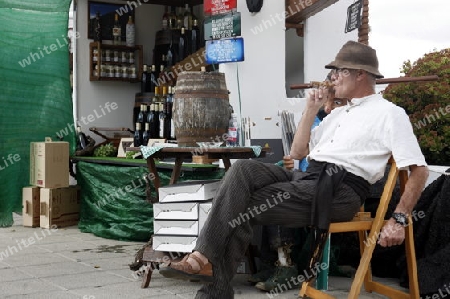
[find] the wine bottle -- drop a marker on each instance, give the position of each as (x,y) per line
(162,110)
(97,28)
(137,139)
(154,124)
(157,121)
(150,118)
(165,18)
(172,18)
(195,37)
(130,32)
(182,45)
(169,57)
(146,135)
(163,61)
(162,116)
(187,18)
(161,71)
(167,113)
(180,19)
(170,108)
(145,79)
(142,116)
(117,31)
(152,82)
(156,96)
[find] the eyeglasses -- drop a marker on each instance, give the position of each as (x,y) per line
(344,71)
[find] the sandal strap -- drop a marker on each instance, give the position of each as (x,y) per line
(196,258)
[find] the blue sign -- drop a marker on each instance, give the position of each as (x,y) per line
(225,50)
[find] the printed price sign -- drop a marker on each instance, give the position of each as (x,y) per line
(353,16)
(225,50)
(223,26)
(214,7)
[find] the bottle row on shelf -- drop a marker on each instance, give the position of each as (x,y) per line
(154,120)
(115,71)
(108,55)
(177,18)
(116,30)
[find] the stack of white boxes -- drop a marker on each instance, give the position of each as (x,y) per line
(181,213)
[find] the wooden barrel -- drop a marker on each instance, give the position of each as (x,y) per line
(201,108)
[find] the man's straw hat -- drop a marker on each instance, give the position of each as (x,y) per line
(354,55)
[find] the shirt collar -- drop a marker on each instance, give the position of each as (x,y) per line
(358,101)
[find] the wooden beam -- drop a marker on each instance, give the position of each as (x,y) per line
(363,30)
(299,10)
(179,3)
(298,28)
(381,81)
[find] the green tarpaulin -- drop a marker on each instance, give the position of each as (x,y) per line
(35,95)
(113,199)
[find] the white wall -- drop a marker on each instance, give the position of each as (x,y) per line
(271,62)
(261,75)
(324,36)
(92,95)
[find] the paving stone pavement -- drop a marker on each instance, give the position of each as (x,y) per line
(66,263)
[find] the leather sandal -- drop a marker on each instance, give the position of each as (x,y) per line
(183,270)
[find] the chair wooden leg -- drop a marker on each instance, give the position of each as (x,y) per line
(411,261)
(368,277)
(308,290)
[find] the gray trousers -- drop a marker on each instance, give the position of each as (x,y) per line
(258,193)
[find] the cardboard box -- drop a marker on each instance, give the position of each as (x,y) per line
(176,227)
(203,212)
(59,206)
(49,164)
(30,206)
(175,211)
(174,243)
(189,191)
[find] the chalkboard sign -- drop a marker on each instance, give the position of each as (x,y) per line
(225,50)
(223,26)
(354,16)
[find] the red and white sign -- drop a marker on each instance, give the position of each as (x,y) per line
(214,7)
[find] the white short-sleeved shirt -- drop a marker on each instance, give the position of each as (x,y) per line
(362,136)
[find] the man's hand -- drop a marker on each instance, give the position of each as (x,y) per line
(288,162)
(392,234)
(316,98)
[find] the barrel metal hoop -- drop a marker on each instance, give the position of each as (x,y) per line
(202,95)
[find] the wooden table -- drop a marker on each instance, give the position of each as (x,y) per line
(182,153)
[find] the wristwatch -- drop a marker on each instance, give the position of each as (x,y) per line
(400,218)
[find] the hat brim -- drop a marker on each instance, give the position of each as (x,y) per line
(335,65)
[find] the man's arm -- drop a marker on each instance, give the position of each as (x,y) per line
(300,144)
(393,233)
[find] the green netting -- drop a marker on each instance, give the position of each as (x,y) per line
(113,201)
(35,96)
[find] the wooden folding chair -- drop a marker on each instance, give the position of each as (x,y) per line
(363,223)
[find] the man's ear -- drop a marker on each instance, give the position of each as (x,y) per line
(361,75)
